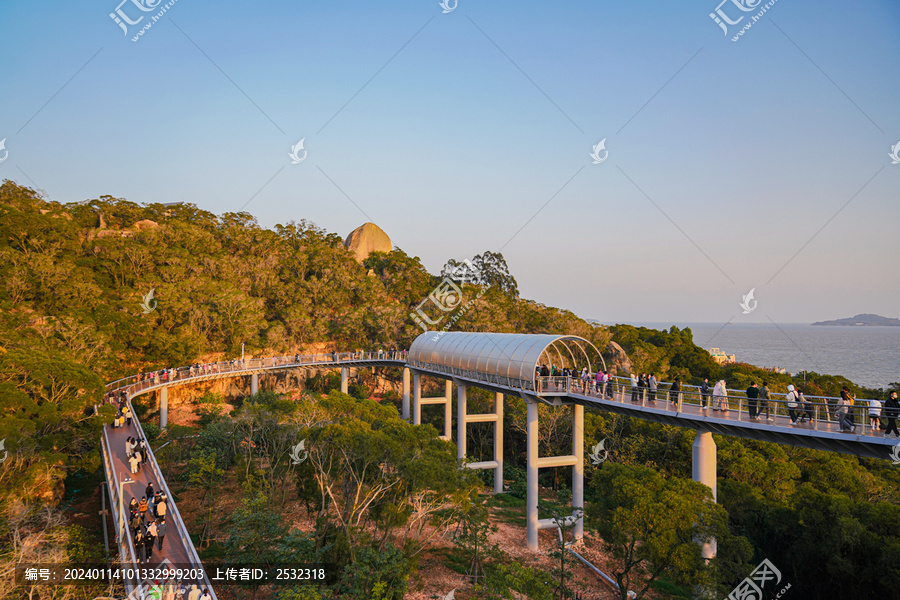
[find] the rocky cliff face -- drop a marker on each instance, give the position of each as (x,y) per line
(620,363)
(366,239)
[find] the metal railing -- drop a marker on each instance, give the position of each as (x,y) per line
(818,412)
(117,503)
(162,376)
(172,514)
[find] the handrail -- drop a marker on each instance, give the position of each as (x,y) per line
(815,409)
(251,363)
(122,525)
(823,407)
(172,506)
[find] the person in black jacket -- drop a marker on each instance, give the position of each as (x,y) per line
(753,401)
(704,392)
(891,411)
(674,390)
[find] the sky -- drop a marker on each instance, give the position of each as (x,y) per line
(726,166)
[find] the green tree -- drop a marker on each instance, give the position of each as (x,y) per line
(653,526)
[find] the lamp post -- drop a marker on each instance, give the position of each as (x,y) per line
(122,507)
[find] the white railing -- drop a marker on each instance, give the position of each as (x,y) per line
(818,412)
(153,378)
(123,527)
(172,514)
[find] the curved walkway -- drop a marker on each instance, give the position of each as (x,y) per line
(445,361)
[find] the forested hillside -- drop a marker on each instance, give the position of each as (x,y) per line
(71,318)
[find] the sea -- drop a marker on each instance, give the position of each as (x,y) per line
(867,356)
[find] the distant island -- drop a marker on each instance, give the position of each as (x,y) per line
(863,320)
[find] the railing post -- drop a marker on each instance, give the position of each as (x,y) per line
(680,400)
(740,406)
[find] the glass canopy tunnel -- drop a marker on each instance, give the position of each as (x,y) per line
(507,359)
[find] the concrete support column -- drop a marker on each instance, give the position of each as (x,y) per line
(405,394)
(531,498)
(345,379)
(578,467)
(461,402)
(417,397)
(163,407)
(498,443)
(254,384)
(448,411)
(704,471)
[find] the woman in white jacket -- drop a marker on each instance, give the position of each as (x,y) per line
(720,396)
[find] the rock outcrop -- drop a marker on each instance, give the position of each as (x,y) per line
(145,224)
(366,239)
(620,363)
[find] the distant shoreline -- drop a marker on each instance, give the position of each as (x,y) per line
(862,320)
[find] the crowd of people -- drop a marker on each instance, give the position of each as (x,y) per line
(759,399)
(148,522)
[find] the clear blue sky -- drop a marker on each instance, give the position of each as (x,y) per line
(451,131)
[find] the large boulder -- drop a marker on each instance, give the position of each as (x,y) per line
(366,239)
(620,363)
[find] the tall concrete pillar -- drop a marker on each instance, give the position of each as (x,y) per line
(254,384)
(417,397)
(704,471)
(345,379)
(578,467)
(498,443)
(531,497)
(461,408)
(163,407)
(405,394)
(448,411)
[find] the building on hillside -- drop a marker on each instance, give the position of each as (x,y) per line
(720,357)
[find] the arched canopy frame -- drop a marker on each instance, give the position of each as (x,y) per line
(506,359)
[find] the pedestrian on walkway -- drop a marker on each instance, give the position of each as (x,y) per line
(634,388)
(148,544)
(135,523)
(891,411)
(806,405)
(142,507)
(720,396)
(843,406)
(161,532)
(127,414)
(851,401)
(133,461)
(753,401)
(674,391)
(169,590)
(140,546)
(149,490)
(144,452)
(180,591)
(875,414)
(704,393)
(205,595)
(128,450)
(653,387)
(194,594)
(792,404)
(764,401)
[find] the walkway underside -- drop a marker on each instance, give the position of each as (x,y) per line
(778,432)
